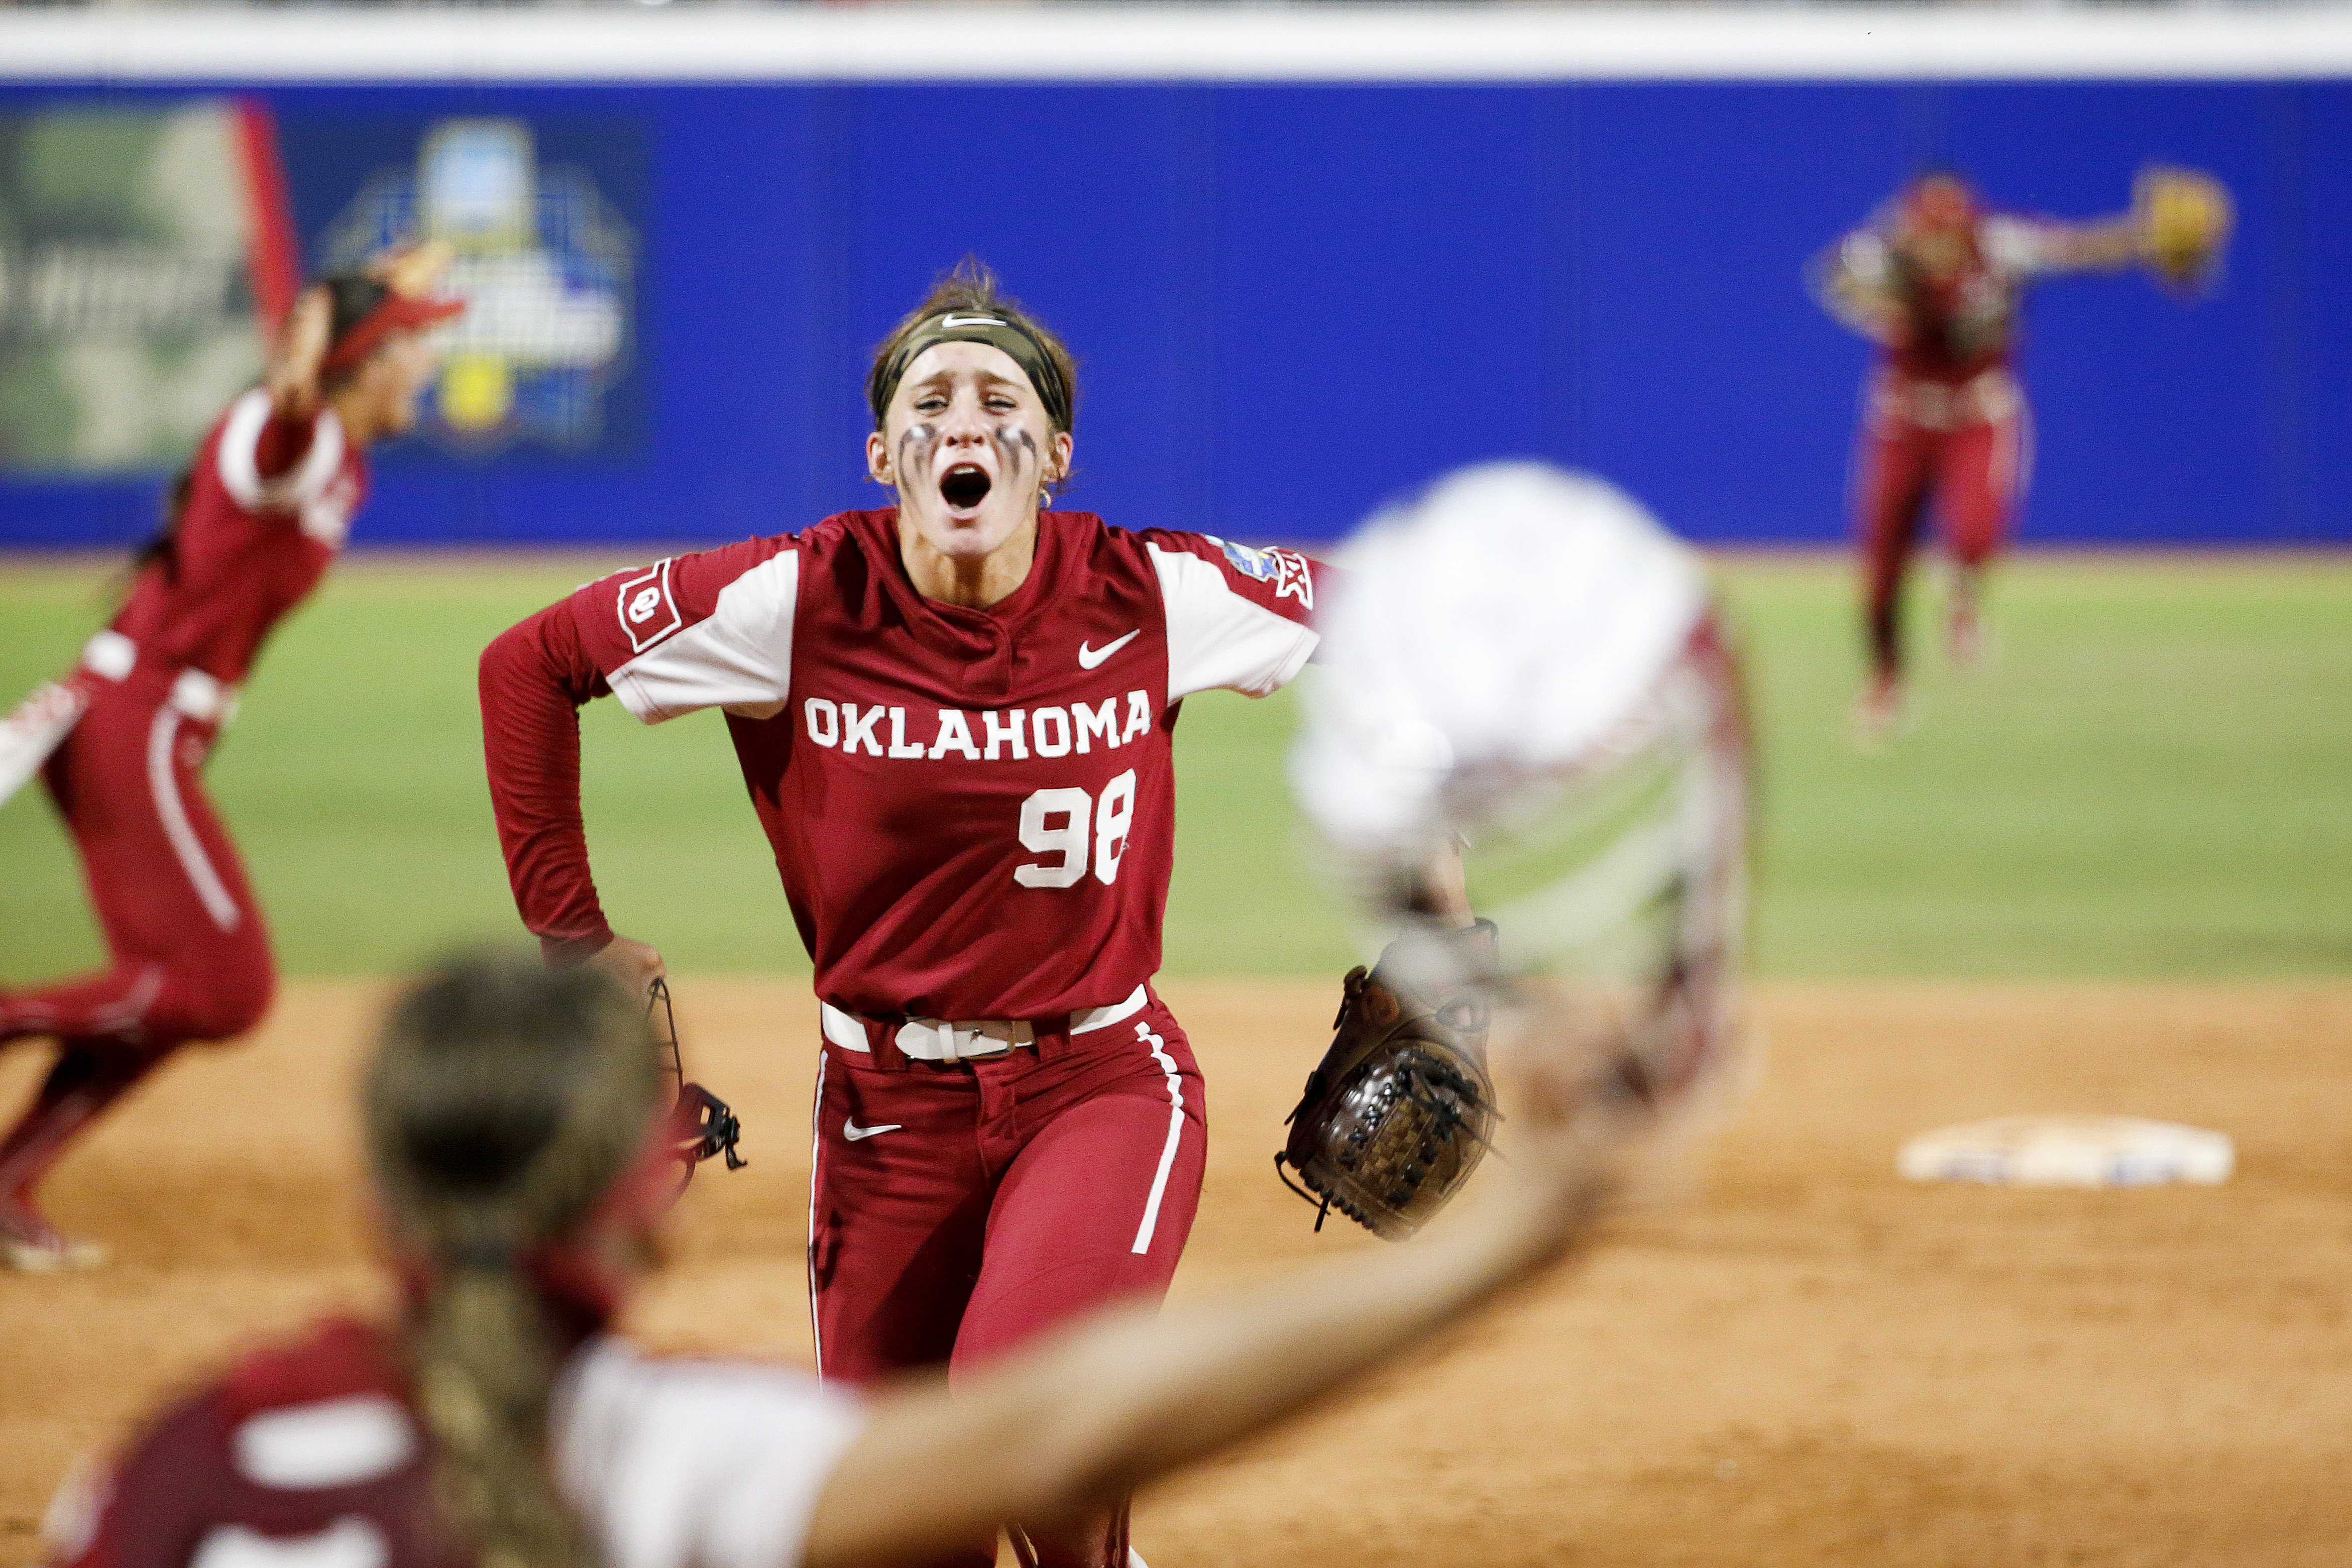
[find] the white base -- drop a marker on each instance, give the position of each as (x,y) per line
(2069,1151)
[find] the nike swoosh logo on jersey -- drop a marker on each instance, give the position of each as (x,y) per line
(1090,656)
(851,1130)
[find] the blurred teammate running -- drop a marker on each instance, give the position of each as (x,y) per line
(1937,283)
(254,522)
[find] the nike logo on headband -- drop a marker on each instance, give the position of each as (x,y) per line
(952,321)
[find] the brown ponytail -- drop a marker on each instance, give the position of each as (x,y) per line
(504,1099)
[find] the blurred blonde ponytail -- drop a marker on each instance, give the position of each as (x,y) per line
(504,1102)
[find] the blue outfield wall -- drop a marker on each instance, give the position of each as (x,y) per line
(1294,301)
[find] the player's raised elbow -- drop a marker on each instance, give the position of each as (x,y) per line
(542,652)
(503,660)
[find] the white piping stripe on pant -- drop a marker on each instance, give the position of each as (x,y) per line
(123,1018)
(2004,466)
(2020,455)
(817,1152)
(1175,1132)
(165,785)
(131,1011)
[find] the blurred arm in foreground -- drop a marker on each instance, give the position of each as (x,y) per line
(525,1156)
(1128,1397)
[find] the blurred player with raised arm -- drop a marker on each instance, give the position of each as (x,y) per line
(121,741)
(954,716)
(1937,282)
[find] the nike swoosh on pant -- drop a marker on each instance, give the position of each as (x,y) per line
(1089,656)
(851,1130)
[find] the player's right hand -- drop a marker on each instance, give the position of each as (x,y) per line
(1575,1127)
(635,964)
(293,379)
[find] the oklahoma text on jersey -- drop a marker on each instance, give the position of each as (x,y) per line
(972,809)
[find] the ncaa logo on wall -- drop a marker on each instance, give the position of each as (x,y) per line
(545,265)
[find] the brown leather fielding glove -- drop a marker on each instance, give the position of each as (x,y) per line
(1395,1117)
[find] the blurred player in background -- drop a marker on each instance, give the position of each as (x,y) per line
(518,1130)
(1937,282)
(252,524)
(954,717)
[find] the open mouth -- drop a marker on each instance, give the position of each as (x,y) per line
(965,486)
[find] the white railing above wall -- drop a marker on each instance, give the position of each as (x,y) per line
(1150,42)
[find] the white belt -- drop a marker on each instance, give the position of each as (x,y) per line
(194,693)
(1985,397)
(202,698)
(111,654)
(939,1040)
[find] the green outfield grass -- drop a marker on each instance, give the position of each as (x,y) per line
(2151,778)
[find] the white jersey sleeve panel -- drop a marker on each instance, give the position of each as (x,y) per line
(1865,258)
(1218,639)
(739,657)
(697,1463)
(238,458)
(2017,247)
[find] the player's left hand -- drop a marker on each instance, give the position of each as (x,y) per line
(415,269)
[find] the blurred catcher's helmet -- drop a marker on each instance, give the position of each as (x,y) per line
(1524,663)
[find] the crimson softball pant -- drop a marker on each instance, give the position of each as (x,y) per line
(1972,472)
(191,955)
(981,1203)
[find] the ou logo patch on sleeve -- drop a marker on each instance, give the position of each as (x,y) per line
(648,612)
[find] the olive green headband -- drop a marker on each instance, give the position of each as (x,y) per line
(997,332)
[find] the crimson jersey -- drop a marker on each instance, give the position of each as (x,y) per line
(268,503)
(1967,324)
(972,809)
(309,1455)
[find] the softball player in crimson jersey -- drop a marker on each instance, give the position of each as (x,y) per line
(954,720)
(1937,283)
(121,741)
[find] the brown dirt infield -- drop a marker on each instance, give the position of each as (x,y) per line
(1801,1360)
